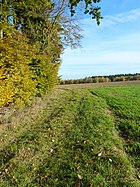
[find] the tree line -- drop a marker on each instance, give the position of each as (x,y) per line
(33,35)
(101,79)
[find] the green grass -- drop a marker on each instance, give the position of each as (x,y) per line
(75,136)
(124,102)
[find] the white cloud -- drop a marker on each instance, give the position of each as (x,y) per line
(130,16)
(111,48)
(104,57)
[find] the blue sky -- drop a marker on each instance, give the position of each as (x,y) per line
(111,48)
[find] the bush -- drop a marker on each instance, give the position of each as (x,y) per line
(45,73)
(16,79)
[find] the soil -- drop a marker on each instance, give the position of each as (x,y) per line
(121,83)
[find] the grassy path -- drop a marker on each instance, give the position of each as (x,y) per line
(75,137)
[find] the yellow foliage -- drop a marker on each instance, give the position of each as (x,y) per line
(16,78)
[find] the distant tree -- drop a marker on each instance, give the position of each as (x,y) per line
(107,79)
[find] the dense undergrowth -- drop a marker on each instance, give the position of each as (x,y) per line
(74,137)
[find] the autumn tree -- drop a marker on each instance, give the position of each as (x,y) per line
(49,26)
(46,28)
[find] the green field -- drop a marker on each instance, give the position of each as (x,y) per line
(73,137)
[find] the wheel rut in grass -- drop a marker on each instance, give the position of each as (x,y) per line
(124,102)
(74,142)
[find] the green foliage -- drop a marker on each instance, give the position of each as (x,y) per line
(90,8)
(45,73)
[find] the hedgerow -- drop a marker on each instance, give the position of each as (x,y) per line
(16,78)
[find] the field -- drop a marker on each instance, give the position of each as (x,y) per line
(76,136)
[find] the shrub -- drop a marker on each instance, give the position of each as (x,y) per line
(16,78)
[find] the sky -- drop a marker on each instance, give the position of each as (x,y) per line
(108,49)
